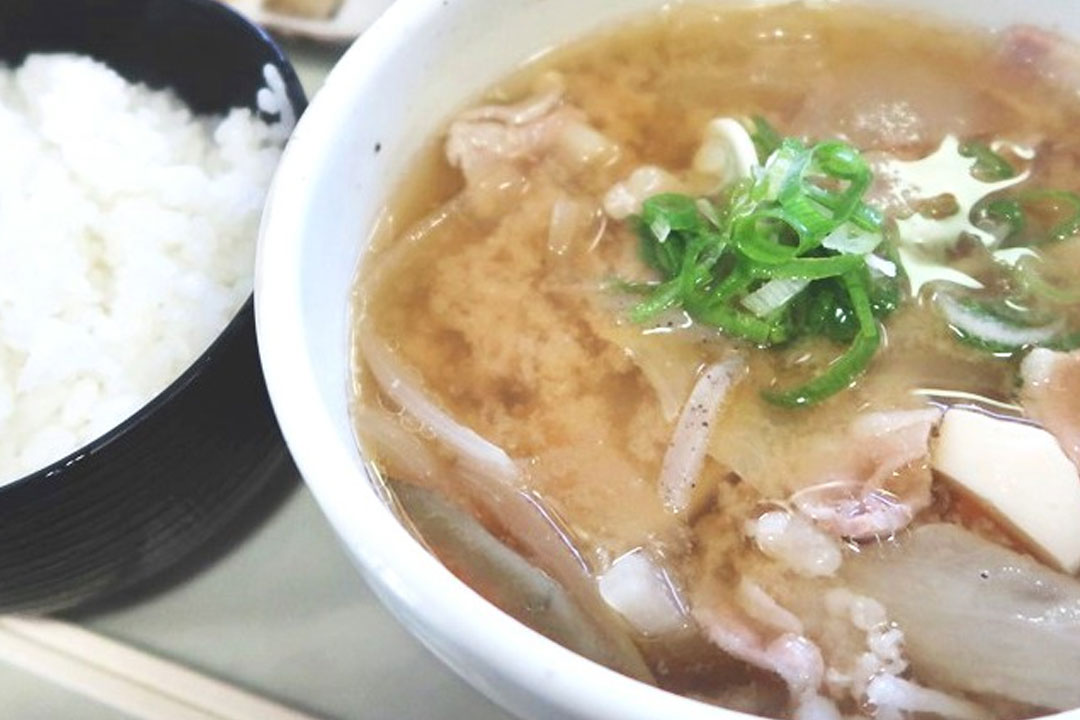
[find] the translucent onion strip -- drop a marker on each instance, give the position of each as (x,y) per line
(774,295)
(644,594)
(403,385)
(685,455)
(977,617)
(850,239)
(401,453)
(575,223)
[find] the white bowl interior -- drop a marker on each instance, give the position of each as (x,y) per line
(392,91)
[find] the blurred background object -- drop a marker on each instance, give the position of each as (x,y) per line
(336,21)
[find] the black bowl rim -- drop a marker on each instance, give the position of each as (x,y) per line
(55,470)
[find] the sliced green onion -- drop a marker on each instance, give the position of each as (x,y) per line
(848,367)
(1066,342)
(670,211)
(738,323)
(817,268)
(782,256)
(811,219)
(664,297)
(736,282)
(758,237)
(1033,282)
(661,228)
(1012,213)
(868,218)
(981,326)
(840,160)
(766,139)
(989,166)
(1066,203)
(1004,212)
(678,211)
(782,164)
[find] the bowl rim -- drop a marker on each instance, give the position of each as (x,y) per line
(54,472)
(394,563)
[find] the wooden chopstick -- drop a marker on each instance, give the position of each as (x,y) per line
(125,679)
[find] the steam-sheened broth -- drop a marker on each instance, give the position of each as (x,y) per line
(709,419)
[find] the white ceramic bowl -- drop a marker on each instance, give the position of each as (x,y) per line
(393,89)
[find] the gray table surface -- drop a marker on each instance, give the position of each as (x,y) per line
(283,614)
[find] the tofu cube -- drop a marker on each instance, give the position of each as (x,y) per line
(1020,474)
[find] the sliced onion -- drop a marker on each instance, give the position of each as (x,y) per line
(889,691)
(976,616)
(708,211)
(852,240)
(402,385)
(727,151)
(555,597)
(581,144)
(575,222)
(774,295)
(625,198)
(401,453)
(685,455)
(880,265)
(992,330)
(896,424)
(644,594)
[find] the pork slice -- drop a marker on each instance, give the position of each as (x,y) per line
(790,655)
(902,113)
(1051,395)
(542,125)
(476,145)
(1040,53)
(877,480)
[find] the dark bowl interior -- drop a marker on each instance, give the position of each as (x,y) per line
(194,461)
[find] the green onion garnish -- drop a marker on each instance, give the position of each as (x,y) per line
(1062,204)
(848,367)
(766,139)
(777,258)
(1033,282)
(994,326)
(989,165)
(1016,213)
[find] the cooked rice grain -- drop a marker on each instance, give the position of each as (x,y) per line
(127,236)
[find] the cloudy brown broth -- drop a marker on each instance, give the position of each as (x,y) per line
(521,335)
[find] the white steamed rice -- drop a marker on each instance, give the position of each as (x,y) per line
(127,234)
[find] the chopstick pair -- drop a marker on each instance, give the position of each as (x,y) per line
(128,680)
